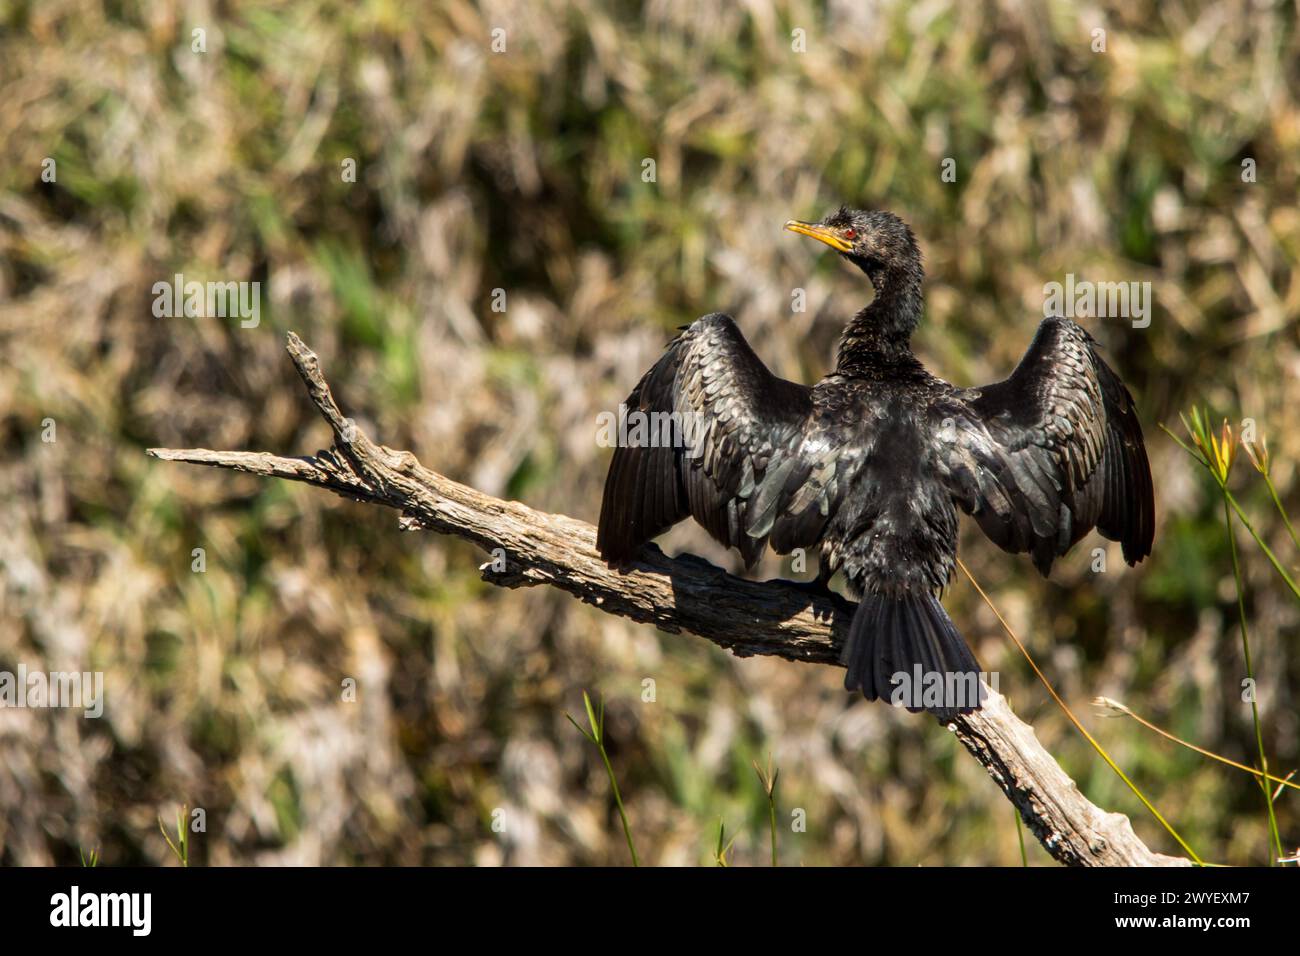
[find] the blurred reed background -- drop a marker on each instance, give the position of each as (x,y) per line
(522,171)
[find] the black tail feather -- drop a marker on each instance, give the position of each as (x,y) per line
(906,650)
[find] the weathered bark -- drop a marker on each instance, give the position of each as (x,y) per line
(683,594)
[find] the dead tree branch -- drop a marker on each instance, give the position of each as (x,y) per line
(684,594)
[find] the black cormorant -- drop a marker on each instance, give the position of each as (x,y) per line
(873,461)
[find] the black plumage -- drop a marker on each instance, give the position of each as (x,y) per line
(872,463)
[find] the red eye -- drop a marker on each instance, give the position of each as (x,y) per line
(850,233)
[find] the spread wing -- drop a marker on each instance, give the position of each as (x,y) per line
(748,470)
(1050,453)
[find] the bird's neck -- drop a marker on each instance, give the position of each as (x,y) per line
(881,334)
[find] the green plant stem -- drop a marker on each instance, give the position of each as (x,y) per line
(1286,519)
(1020,835)
(1241,515)
(1250,673)
(771,809)
(1277,565)
(182,852)
(618,800)
(768,779)
(720,854)
(596,718)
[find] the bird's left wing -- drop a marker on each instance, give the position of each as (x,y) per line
(1050,453)
(745,471)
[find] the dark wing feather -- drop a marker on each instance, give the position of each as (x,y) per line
(1042,458)
(749,471)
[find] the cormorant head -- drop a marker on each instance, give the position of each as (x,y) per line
(878,243)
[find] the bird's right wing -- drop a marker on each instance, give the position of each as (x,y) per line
(1042,458)
(746,471)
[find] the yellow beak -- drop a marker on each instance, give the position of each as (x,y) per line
(820,233)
